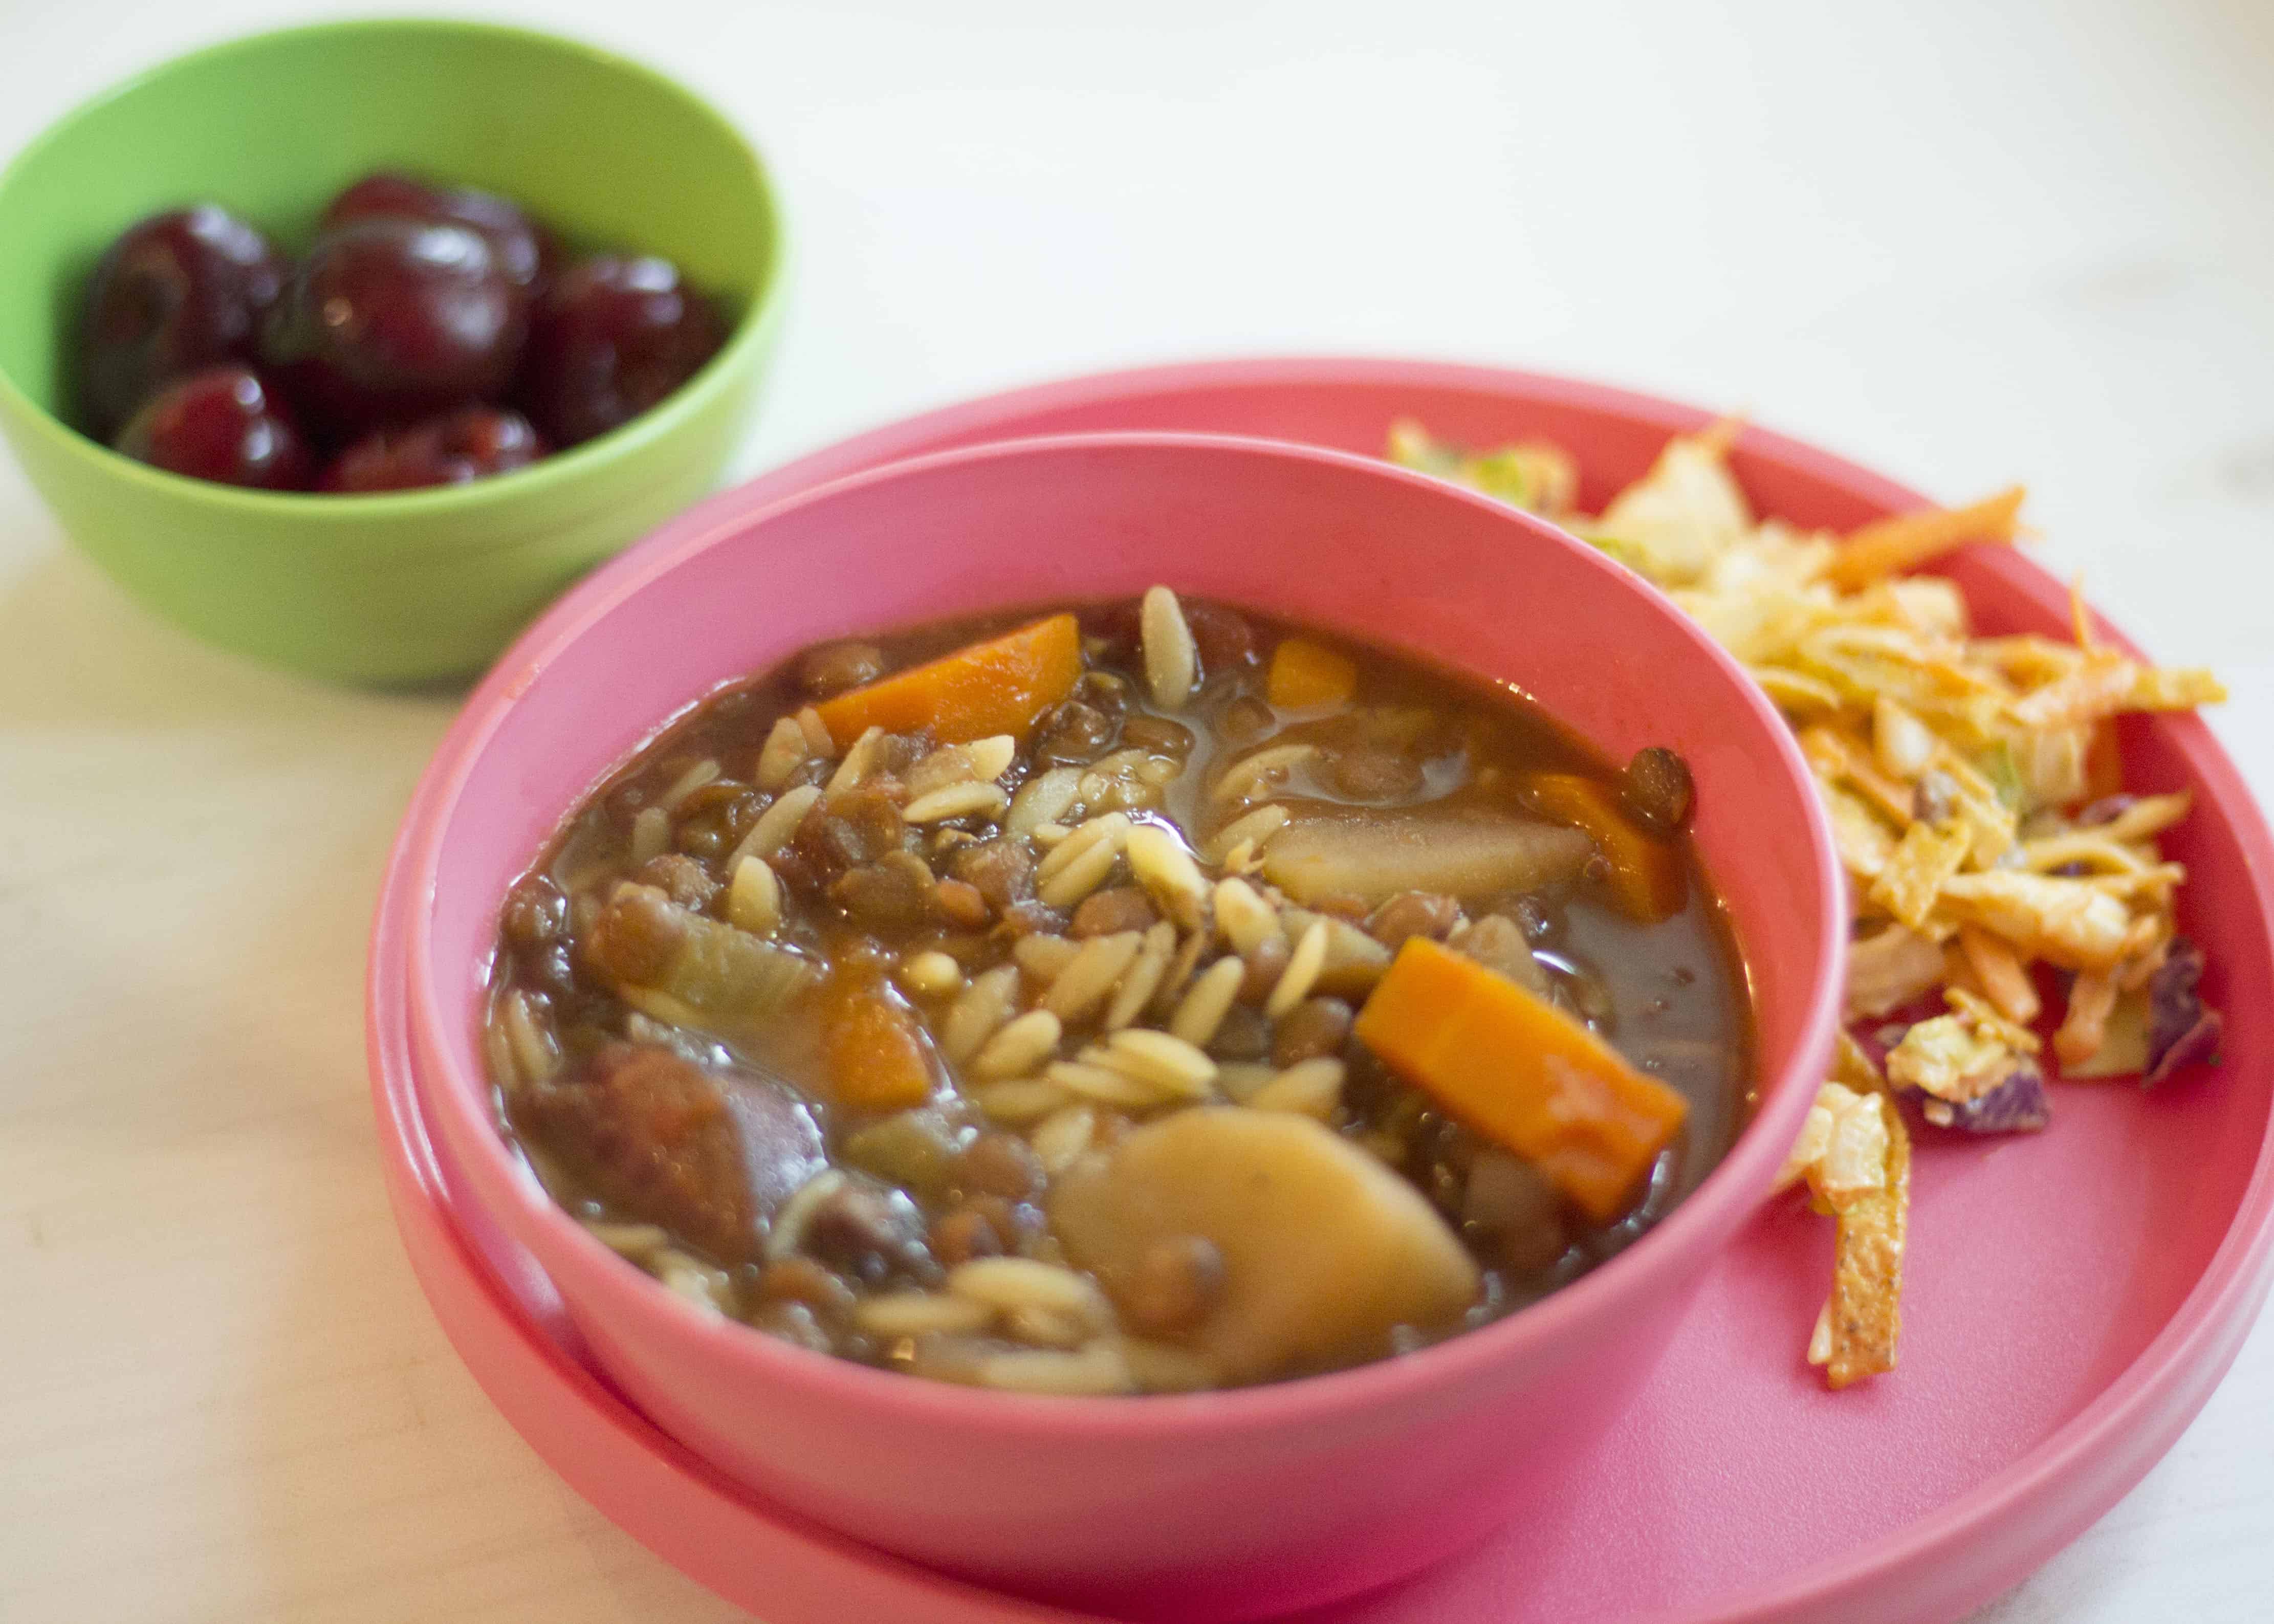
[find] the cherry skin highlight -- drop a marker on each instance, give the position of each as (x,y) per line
(612,336)
(390,319)
(223,424)
(472,443)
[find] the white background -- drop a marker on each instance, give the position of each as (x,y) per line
(1964,243)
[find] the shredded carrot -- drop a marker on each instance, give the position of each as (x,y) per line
(1720,436)
(2084,1025)
(1001,686)
(1521,1072)
(1906,540)
(2079,618)
(1999,970)
(2104,761)
(1836,757)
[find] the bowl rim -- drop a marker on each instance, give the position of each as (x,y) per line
(754,329)
(1724,1199)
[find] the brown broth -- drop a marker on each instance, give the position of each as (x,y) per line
(682,1151)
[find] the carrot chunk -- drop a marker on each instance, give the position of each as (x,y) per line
(1305,673)
(1648,881)
(1521,1072)
(872,1044)
(997,687)
(1906,540)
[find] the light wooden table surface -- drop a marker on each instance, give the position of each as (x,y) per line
(1965,244)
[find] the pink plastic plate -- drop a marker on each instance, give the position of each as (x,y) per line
(2074,1295)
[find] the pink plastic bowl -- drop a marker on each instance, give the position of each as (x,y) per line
(1212,1507)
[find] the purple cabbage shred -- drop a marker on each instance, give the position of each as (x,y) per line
(2016,1103)
(2182,1029)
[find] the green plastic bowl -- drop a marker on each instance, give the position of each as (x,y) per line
(426,583)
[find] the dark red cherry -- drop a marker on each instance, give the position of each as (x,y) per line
(221,424)
(612,337)
(175,292)
(527,249)
(468,444)
(390,319)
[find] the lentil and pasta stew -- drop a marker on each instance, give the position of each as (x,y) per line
(1147,996)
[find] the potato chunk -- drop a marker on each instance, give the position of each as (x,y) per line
(1374,855)
(1324,1249)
